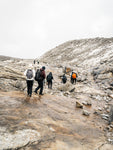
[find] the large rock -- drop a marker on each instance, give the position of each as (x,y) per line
(106,147)
(86,113)
(18,139)
(66,87)
(111,114)
(78,105)
(11,78)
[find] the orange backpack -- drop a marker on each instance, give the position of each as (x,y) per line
(74,75)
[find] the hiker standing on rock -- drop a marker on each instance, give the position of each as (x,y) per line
(49,80)
(39,77)
(30,74)
(73,77)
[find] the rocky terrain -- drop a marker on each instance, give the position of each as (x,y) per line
(68,117)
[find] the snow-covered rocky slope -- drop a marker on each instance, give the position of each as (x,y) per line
(85,52)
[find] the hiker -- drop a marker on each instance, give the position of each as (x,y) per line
(49,79)
(30,74)
(73,77)
(39,77)
(64,79)
(36,65)
(34,61)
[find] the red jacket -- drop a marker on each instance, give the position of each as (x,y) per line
(43,73)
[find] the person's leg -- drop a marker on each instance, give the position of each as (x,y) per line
(27,87)
(51,84)
(41,87)
(75,81)
(72,81)
(30,88)
(37,87)
(48,84)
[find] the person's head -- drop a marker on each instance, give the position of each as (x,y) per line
(43,68)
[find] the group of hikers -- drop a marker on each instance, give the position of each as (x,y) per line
(72,79)
(37,73)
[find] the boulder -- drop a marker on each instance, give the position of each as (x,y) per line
(20,85)
(86,113)
(99,108)
(111,114)
(82,78)
(66,87)
(13,78)
(105,116)
(111,96)
(78,105)
(88,102)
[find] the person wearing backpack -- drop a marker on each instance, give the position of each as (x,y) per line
(39,77)
(64,79)
(49,79)
(73,77)
(30,74)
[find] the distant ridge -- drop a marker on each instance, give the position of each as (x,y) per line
(4,58)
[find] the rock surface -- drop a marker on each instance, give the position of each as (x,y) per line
(52,121)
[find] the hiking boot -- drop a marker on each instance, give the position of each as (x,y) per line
(35,92)
(41,94)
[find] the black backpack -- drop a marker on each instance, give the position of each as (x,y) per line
(29,74)
(38,75)
(49,77)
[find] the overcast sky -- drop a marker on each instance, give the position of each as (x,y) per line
(29,28)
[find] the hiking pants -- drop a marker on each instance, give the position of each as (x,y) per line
(40,86)
(50,84)
(29,87)
(73,81)
(63,81)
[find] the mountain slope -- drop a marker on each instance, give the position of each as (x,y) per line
(91,58)
(85,52)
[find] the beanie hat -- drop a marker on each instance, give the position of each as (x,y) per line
(43,68)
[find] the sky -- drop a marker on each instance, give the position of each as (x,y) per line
(29,28)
